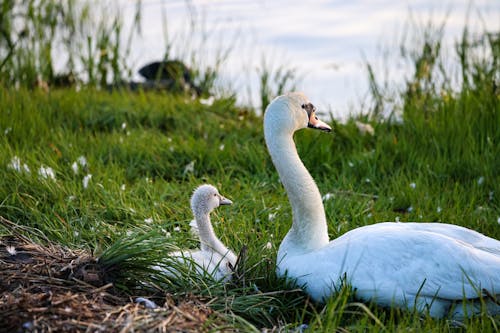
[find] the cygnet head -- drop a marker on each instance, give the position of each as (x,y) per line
(206,198)
(291,112)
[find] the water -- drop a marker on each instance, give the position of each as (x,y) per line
(328,42)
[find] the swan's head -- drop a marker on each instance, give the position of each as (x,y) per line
(206,198)
(293,111)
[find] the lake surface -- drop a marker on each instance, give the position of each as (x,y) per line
(327,42)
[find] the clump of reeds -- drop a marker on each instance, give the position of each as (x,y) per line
(37,36)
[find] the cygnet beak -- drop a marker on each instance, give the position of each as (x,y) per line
(315,123)
(225,201)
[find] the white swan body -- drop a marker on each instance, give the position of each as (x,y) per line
(213,257)
(423,266)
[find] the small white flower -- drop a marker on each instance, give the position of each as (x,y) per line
(490,195)
(207,101)
(86,180)
(11,250)
(76,233)
(124,125)
(498,220)
(132,210)
(268,246)
(439,209)
(15,163)
(169,139)
(409,209)
(177,228)
(413,185)
(82,160)
(148,220)
(46,173)
(221,147)
(71,198)
(189,168)
(367,180)
(74,166)
(168,234)
(271,216)
(397,219)
(171,149)
(129,233)
(369,215)
(365,128)
(327,196)
(7,130)
(122,187)
(480,180)
(350,164)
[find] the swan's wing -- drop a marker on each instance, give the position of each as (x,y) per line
(386,263)
(207,262)
(422,263)
(468,236)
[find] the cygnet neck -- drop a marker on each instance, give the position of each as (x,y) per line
(208,240)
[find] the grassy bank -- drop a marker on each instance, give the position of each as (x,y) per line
(109,175)
(139,149)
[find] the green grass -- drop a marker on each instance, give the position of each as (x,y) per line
(451,157)
(441,163)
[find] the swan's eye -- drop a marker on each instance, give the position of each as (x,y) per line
(309,107)
(215,195)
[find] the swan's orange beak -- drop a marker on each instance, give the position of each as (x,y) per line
(315,123)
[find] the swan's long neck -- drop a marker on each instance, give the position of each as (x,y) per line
(309,228)
(208,239)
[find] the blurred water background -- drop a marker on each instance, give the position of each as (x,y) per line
(326,44)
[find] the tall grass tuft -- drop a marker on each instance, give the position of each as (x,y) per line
(275,81)
(38,36)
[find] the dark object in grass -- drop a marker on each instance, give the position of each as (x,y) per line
(173,75)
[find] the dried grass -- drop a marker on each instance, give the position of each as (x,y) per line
(55,289)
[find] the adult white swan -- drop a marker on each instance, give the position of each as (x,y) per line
(430,267)
(213,257)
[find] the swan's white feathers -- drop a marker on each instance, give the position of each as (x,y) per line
(374,263)
(426,266)
(205,262)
